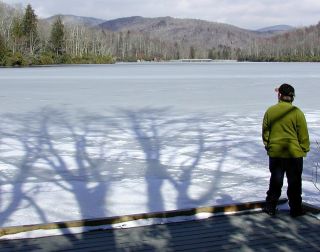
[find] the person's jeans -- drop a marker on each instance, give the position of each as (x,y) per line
(292,167)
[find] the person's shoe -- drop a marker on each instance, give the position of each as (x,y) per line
(269,210)
(298,213)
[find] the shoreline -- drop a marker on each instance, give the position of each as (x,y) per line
(154,62)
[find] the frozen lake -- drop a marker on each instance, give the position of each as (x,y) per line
(129,138)
(183,87)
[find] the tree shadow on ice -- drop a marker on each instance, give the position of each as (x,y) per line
(20,150)
(173,149)
(145,126)
(177,153)
(83,179)
(51,152)
(177,156)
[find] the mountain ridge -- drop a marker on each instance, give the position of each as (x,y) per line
(120,23)
(178,32)
(73,19)
(276,28)
(190,32)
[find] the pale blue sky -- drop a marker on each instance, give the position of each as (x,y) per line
(251,14)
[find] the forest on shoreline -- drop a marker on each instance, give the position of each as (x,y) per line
(26,40)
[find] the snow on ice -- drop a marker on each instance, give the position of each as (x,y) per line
(60,164)
(57,169)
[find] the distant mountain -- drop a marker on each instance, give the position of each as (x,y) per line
(142,24)
(122,23)
(71,19)
(276,29)
(193,32)
(172,27)
(176,34)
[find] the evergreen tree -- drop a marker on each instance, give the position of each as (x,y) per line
(29,28)
(57,37)
(17,30)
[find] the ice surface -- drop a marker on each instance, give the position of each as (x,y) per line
(95,141)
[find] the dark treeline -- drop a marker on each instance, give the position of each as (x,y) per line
(27,40)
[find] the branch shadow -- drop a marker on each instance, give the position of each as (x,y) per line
(173,149)
(23,138)
(54,156)
(184,162)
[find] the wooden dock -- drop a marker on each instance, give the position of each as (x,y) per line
(243,231)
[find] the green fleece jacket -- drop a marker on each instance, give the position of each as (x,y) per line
(284,131)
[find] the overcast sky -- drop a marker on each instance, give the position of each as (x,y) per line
(251,14)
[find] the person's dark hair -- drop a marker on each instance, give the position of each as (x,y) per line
(286,92)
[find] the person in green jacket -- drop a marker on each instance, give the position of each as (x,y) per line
(286,139)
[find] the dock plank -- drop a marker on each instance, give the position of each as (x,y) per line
(240,232)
